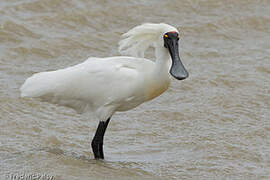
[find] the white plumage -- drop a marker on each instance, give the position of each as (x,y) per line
(101,85)
(106,85)
(137,40)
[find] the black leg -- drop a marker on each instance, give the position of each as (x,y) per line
(97,142)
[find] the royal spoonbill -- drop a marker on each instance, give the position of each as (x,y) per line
(107,85)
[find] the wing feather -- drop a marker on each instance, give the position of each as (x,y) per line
(93,83)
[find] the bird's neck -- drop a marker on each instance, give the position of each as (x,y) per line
(163,61)
(159,80)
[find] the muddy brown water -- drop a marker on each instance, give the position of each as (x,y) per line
(213,125)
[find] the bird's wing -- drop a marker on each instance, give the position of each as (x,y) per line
(95,82)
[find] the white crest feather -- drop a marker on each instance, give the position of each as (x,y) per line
(137,40)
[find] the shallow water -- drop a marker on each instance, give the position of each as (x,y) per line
(214,125)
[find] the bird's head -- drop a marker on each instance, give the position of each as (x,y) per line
(171,39)
(137,40)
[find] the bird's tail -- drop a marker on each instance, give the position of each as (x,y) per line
(38,85)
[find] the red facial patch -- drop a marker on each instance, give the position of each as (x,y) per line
(172,32)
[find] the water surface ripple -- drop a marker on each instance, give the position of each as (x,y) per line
(214,125)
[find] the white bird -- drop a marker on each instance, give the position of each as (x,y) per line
(107,85)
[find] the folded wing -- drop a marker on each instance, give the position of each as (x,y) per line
(93,83)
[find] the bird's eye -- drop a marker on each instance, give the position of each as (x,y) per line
(165,35)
